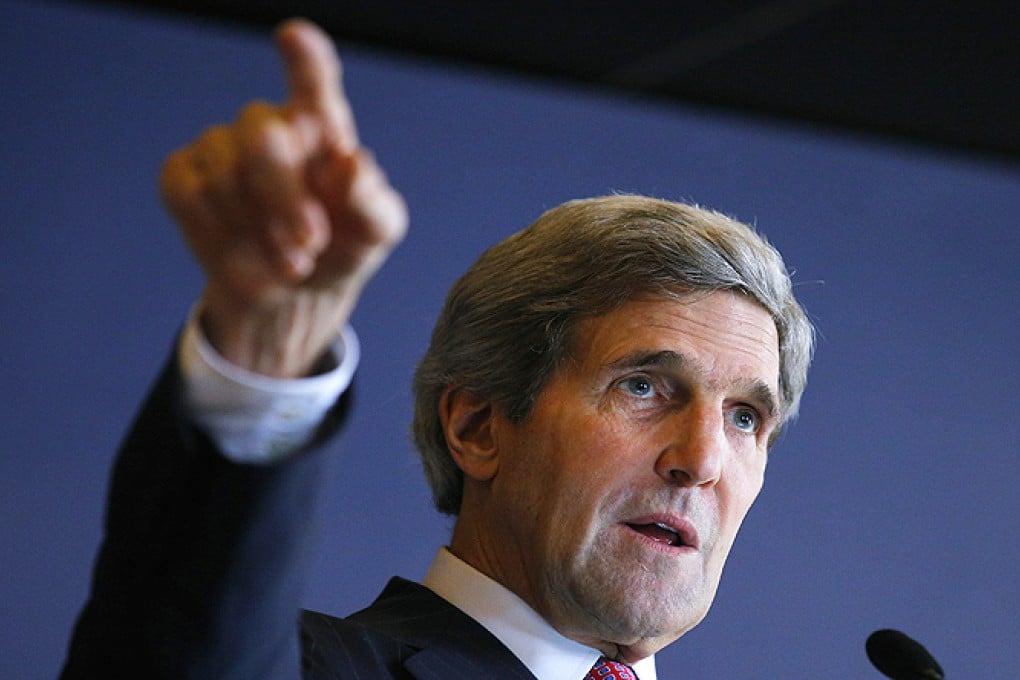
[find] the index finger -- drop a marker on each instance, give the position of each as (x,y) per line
(314,76)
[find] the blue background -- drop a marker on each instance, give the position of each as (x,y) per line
(892,502)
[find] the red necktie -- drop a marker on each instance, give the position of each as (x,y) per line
(607,669)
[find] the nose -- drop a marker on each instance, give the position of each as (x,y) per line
(695,449)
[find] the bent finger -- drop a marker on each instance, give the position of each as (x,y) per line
(272,172)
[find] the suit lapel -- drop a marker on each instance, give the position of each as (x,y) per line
(449,643)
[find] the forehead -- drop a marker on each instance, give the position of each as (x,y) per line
(723,333)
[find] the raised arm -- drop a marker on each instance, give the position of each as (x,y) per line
(203,560)
(287,213)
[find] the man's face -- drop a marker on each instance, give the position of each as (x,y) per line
(616,502)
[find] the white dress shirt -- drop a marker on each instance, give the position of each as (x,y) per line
(260,420)
(539,646)
(256,418)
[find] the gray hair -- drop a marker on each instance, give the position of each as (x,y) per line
(508,321)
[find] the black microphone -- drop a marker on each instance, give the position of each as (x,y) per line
(901,658)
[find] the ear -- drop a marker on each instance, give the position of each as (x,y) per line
(468,425)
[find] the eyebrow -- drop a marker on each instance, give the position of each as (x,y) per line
(757,389)
(764,395)
(642,358)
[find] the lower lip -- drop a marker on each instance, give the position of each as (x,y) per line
(665,548)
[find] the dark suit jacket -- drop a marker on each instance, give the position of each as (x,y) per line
(202,567)
(408,632)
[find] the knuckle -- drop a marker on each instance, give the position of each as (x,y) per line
(254,112)
(213,139)
(265,142)
(184,189)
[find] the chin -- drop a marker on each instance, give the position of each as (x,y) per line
(649,622)
(641,608)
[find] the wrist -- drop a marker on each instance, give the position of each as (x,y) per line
(290,339)
(254,418)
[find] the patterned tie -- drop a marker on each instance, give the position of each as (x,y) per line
(607,669)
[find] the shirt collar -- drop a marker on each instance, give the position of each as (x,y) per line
(546,653)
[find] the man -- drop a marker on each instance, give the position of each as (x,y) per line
(596,408)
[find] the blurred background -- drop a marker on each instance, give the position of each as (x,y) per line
(892,502)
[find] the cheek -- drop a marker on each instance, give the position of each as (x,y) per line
(533,475)
(569,474)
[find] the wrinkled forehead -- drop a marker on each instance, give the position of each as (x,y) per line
(722,331)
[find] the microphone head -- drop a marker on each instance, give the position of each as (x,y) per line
(901,658)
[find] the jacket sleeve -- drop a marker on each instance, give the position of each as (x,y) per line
(203,561)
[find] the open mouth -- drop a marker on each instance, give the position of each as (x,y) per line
(663,533)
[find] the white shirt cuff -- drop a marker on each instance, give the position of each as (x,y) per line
(253,418)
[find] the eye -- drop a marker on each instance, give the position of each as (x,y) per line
(745,420)
(638,386)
